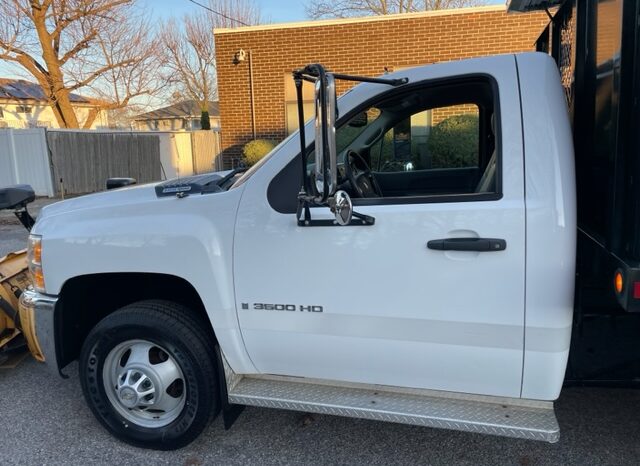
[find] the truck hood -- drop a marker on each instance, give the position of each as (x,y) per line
(130,195)
(136,194)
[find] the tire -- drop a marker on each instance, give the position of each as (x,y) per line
(148,374)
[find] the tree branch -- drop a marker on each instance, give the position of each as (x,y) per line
(83,44)
(79,14)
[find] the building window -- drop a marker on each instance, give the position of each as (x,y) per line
(291,102)
(1,113)
(27,109)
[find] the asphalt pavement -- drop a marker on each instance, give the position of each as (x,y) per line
(44,420)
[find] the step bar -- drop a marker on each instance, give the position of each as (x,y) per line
(508,417)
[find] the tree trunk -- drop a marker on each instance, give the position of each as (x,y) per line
(91,117)
(56,91)
(63,110)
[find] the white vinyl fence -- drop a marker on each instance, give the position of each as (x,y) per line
(185,153)
(80,161)
(24,158)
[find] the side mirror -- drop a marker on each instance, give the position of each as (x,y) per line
(115,183)
(342,207)
(326,166)
(319,187)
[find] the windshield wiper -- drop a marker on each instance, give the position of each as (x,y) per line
(229,176)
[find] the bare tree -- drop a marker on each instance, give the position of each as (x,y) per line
(234,13)
(190,53)
(70,45)
(317,9)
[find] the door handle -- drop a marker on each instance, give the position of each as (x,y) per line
(468,244)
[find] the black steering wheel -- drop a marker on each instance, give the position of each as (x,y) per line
(360,177)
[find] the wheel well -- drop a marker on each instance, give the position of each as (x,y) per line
(86,300)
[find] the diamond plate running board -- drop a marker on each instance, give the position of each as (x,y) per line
(508,417)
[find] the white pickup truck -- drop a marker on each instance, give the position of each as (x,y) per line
(445,301)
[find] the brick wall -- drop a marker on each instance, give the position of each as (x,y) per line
(362,46)
(442,113)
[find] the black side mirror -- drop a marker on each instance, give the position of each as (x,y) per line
(115,183)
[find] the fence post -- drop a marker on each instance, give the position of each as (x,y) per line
(48,162)
(14,161)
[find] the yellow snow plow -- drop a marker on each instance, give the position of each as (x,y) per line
(16,329)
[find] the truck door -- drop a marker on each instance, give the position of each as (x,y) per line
(401,302)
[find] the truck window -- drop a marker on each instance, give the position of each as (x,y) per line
(441,138)
(438,141)
(433,143)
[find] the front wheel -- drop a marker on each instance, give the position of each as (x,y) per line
(148,374)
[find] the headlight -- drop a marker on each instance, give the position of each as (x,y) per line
(34,257)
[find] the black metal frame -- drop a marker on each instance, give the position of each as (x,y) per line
(630,120)
(24,217)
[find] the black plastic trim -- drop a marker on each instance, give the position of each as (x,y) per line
(432,199)
(468,244)
(230,412)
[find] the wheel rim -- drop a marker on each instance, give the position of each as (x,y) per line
(144,383)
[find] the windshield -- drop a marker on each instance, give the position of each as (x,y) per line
(351,130)
(345,135)
(246,175)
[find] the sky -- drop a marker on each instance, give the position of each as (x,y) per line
(273,11)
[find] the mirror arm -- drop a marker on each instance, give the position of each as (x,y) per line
(358,220)
(366,219)
(363,79)
(303,144)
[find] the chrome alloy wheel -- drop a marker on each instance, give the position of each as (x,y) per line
(144,383)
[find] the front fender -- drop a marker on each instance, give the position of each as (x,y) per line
(190,238)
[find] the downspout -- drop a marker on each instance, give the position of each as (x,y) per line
(253,104)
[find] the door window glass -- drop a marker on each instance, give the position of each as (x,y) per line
(446,137)
(427,142)
(438,142)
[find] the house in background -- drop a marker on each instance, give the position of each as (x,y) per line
(265,107)
(181,116)
(23,105)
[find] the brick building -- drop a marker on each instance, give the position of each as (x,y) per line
(265,56)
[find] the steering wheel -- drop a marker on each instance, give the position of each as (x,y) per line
(360,177)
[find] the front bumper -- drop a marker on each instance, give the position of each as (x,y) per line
(37,313)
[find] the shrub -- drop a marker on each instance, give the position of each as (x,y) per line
(256,149)
(454,142)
